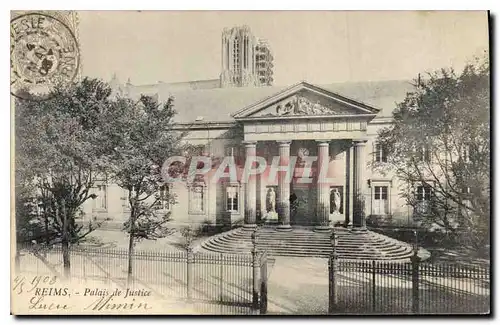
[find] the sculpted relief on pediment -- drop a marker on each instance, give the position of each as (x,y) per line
(303,106)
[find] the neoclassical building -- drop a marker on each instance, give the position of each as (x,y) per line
(238,115)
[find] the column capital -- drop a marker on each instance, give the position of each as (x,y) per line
(249,143)
(359,142)
(283,143)
(321,143)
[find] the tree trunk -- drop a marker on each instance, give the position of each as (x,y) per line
(46,221)
(65,241)
(131,246)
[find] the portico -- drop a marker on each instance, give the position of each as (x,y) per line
(330,126)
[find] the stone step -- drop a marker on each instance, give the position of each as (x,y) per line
(327,250)
(292,234)
(346,256)
(302,239)
(277,244)
(400,251)
(354,245)
(310,242)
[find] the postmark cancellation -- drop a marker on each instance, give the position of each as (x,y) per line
(44,52)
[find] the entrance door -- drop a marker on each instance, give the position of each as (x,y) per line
(300,198)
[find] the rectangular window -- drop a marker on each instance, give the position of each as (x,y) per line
(466,154)
(424,153)
(381,201)
(424,193)
(380,192)
(125,200)
(232,198)
(163,200)
(380,153)
(197,199)
(101,201)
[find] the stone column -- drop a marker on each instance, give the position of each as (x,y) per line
(322,188)
(250,189)
(284,188)
(359,184)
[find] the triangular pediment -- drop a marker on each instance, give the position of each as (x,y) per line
(303,100)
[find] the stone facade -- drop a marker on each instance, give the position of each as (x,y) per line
(339,131)
(337,123)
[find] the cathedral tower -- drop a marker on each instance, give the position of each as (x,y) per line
(264,63)
(243,57)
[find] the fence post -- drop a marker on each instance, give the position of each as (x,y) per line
(189,275)
(255,275)
(332,270)
(221,273)
(415,260)
(374,285)
(263,284)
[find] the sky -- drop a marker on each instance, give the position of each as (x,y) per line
(317,46)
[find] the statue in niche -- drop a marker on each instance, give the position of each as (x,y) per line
(302,153)
(271,215)
(271,200)
(336,202)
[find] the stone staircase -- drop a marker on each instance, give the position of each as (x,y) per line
(351,244)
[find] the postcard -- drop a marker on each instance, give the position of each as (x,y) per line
(250,162)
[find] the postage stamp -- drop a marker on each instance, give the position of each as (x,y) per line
(44,52)
(251,163)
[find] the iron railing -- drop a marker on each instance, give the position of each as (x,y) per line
(380,287)
(213,283)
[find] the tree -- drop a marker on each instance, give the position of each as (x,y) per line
(143,137)
(439,145)
(59,153)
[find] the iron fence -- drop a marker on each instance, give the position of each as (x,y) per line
(379,287)
(212,283)
(237,284)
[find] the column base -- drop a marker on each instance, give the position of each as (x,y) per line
(359,229)
(322,229)
(249,226)
(284,228)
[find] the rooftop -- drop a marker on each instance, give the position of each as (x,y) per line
(217,104)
